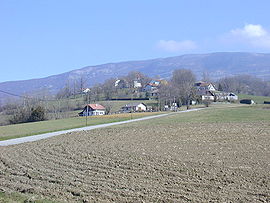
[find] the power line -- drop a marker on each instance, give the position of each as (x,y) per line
(12,94)
(25,97)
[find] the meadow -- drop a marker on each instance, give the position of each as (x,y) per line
(217,154)
(34,128)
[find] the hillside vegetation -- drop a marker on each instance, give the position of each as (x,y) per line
(218,65)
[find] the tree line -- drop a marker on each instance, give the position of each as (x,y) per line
(178,89)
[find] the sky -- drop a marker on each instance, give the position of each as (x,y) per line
(39,38)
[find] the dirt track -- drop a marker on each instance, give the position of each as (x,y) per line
(145,162)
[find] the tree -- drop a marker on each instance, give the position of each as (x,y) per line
(65,92)
(27,114)
(206,76)
(136,75)
(183,82)
(37,114)
(109,88)
(244,84)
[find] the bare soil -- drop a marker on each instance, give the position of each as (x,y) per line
(145,162)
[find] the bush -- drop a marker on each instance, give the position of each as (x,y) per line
(24,115)
(37,114)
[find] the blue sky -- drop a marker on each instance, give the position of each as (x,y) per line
(39,38)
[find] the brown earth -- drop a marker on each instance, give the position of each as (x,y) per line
(145,162)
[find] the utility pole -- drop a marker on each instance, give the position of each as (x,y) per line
(87,108)
(131,109)
(86,114)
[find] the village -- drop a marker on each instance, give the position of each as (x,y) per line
(202,93)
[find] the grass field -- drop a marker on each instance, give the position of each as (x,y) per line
(223,113)
(27,129)
(17,197)
(64,108)
(218,154)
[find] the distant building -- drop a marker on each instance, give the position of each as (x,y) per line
(120,83)
(93,110)
(86,90)
(137,84)
(204,86)
(205,90)
(232,97)
(153,85)
(208,92)
(208,96)
(136,107)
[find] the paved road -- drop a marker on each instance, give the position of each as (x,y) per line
(47,135)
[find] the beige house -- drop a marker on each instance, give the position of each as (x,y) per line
(137,107)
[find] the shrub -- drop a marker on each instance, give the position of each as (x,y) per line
(37,114)
(24,115)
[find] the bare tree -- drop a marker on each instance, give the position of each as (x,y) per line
(244,84)
(183,82)
(136,75)
(206,76)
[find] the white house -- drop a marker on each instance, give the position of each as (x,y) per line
(208,96)
(120,83)
(134,107)
(137,84)
(93,110)
(232,97)
(87,90)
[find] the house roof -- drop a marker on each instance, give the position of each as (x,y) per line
(202,84)
(96,106)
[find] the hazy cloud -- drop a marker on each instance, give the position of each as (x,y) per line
(252,35)
(176,46)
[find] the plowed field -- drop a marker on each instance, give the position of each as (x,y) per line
(150,161)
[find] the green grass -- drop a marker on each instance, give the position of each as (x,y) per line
(20,198)
(27,129)
(256,99)
(219,114)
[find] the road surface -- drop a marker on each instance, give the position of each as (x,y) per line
(51,134)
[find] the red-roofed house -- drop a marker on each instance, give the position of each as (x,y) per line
(93,110)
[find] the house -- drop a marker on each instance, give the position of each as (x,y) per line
(152,85)
(93,110)
(208,96)
(134,107)
(206,91)
(232,97)
(137,84)
(86,90)
(120,83)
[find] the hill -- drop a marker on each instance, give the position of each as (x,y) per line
(217,65)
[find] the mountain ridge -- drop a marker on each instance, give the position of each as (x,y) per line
(217,65)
